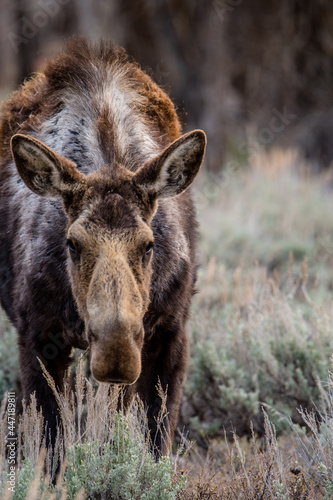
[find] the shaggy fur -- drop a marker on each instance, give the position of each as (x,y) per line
(97,242)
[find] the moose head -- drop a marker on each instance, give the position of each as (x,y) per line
(109,239)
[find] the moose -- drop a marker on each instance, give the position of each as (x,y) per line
(98,229)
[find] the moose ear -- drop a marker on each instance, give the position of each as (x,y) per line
(42,170)
(175,168)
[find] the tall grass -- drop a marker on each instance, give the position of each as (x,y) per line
(293,468)
(99,451)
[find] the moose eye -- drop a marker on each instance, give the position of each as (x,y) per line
(147,253)
(71,246)
(149,247)
(73,250)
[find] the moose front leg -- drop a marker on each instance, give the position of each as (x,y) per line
(55,355)
(164,366)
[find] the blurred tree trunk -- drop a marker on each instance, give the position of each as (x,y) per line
(27,50)
(8,62)
(86,18)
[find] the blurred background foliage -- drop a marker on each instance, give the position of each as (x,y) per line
(231,66)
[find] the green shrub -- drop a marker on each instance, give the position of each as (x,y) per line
(264,346)
(120,470)
(24,477)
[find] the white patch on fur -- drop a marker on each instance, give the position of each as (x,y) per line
(130,128)
(77,108)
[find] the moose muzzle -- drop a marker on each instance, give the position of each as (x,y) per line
(114,326)
(116,359)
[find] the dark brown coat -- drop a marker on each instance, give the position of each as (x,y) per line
(97,242)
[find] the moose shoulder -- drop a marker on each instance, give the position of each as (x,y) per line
(97,244)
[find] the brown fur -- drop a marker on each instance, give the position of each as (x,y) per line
(97,246)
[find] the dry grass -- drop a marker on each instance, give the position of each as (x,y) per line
(296,467)
(99,451)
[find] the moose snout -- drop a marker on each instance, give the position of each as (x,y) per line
(116,355)
(114,322)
